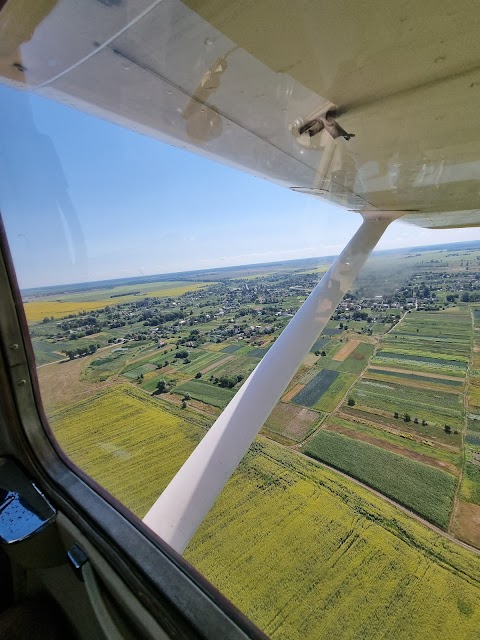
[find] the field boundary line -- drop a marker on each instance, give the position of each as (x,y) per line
(405,510)
(465,423)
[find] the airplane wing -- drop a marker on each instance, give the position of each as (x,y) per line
(253,85)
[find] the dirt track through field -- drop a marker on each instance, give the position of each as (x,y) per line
(346,350)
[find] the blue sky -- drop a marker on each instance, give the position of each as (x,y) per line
(83,199)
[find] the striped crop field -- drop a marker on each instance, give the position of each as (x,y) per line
(435,407)
(320,344)
(335,392)
(416,377)
(460,363)
(202,360)
(206,392)
(427,491)
(131,374)
(314,390)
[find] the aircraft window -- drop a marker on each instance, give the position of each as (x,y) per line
(155,280)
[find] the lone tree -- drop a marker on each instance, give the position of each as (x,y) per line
(161,386)
(395,415)
(406,417)
(198,375)
(351,402)
(448,428)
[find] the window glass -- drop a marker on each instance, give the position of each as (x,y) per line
(155,278)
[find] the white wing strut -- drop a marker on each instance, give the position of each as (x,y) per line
(179,511)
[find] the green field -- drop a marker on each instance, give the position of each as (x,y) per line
(238,365)
(46,352)
(202,360)
(206,392)
(335,393)
(353,363)
(435,407)
(427,491)
(310,395)
(404,440)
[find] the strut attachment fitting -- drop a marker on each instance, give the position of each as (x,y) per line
(325,121)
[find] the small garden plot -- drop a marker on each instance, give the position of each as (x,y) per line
(292,422)
(201,362)
(427,491)
(291,393)
(332,332)
(257,353)
(232,348)
(314,390)
(470,488)
(320,344)
(206,392)
(346,350)
(238,365)
(474,440)
(132,374)
(334,394)
(473,422)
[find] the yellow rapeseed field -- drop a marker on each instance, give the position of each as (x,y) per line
(128,442)
(36,311)
(304,552)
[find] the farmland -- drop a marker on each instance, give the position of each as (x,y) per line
(427,491)
(389,394)
(290,422)
(345,565)
(314,390)
(136,446)
(206,392)
(335,536)
(65,305)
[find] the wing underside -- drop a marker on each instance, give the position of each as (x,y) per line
(256,85)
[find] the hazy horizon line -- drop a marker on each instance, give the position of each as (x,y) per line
(238,266)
